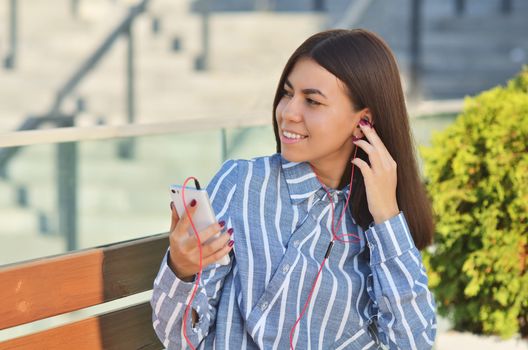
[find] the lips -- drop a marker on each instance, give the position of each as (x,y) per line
(290,137)
(293,135)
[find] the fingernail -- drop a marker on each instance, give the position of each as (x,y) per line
(364,122)
(355,138)
(230,231)
(193,203)
(231,243)
(222,223)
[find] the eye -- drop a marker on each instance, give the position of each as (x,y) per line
(309,101)
(284,92)
(312,102)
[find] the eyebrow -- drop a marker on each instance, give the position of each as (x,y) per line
(308,91)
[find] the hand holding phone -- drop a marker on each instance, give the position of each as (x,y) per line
(184,245)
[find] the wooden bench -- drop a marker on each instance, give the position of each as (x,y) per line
(46,287)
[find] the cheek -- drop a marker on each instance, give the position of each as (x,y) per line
(278,110)
(330,128)
(317,123)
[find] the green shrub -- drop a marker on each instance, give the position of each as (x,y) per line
(477,178)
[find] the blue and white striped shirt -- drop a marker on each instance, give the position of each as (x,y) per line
(369,293)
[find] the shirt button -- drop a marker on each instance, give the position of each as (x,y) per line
(285,268)
(264,306)
(296,243)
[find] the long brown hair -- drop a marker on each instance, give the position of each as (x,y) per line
(367,67)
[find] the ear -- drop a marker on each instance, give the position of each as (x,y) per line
(364,114)
(367,114)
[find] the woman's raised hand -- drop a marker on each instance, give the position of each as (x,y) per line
(184,251)
(380,177)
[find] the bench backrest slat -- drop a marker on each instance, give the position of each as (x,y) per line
(51,286)
(128,328)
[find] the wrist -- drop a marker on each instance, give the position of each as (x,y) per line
(178,274)
(386,215)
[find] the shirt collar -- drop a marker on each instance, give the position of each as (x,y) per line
(303,183)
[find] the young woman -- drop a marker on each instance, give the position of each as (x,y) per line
(323,236)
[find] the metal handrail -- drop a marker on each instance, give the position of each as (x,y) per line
(10,58)
(67,151)
(31,123)
(106,132)
(123,28)
(54,114)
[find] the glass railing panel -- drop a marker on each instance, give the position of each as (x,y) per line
(116,198)
(120,198)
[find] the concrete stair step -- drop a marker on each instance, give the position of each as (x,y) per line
(250,5)
(176,78)
(51,43)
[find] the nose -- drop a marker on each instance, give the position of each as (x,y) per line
(291,111)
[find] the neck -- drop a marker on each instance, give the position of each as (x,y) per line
(330,172)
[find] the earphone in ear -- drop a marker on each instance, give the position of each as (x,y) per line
(366,119)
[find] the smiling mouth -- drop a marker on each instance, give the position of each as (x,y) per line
(293,136)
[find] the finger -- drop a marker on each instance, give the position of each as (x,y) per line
(215,244)
(363,166)
(204,235)
(219,254)
(184,223)
(373,137)
(365,146)
(385,158)
(174,217)
(371,151)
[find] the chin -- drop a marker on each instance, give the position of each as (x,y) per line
(293,156)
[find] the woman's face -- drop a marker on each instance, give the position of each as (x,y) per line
(315,117)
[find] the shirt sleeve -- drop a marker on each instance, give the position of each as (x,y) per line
(402,303)
(171,295)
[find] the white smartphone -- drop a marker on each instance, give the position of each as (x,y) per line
(203,216)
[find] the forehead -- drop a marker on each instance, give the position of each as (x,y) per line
(308,74)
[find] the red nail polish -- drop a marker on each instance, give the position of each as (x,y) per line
(231,243)
(364,122)
(230,231)
(355,138)
(193,203)
(222,223)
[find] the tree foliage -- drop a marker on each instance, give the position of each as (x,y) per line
(477,178)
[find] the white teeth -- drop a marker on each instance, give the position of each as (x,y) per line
(291,135)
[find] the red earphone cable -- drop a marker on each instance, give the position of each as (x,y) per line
(334,237)
(306,304)
(199,275)
(336,229)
